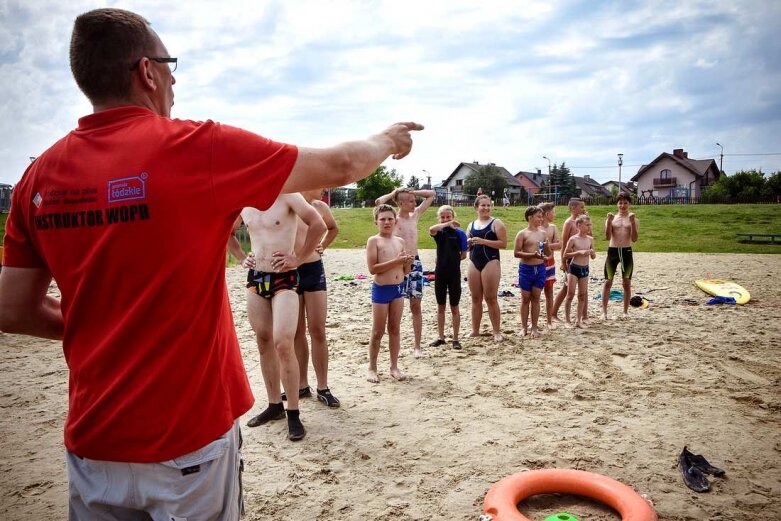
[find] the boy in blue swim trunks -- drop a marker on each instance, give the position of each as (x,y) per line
(407,228)
(579,249)
(531,246)
(389,262)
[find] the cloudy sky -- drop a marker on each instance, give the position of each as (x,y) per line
(494,81)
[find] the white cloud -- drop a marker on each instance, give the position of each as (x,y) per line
(505,82)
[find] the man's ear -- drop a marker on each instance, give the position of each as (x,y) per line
(145,74)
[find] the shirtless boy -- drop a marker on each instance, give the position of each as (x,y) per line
(313,304)
(576,208)
(389,263)
(272,300)
(579,249)
(552,236)
(451,250)
(621,231)
(531,246)
(407,229)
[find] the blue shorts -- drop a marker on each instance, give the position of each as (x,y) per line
(531,275)
(413,282)
(387,293)
(578,270)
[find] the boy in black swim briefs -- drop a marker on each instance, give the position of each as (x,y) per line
(313,306)
(389,262)
(579,249)
(272,299)
(621,231)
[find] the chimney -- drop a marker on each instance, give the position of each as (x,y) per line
(686,155)
(539,172)
(679,153)
(587,177)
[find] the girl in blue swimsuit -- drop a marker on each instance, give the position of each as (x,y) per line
(486,236)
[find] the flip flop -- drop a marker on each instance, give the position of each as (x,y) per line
(438,342)
(692,476)
(456,344)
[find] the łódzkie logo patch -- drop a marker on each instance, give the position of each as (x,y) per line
(127,188)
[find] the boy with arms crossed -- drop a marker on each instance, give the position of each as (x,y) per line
(313,304)
(531,246)
(389,263)
(576,208)
(451,250)
(621,231)
(272,280)
(552,236)
(407,229)
(579,248)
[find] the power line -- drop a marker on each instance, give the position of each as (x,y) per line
(767,154)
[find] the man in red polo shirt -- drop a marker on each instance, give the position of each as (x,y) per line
(130,213)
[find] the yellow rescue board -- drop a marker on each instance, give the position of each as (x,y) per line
(723,288)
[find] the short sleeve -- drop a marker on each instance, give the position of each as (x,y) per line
(18,249)
(462,237)
(248,169)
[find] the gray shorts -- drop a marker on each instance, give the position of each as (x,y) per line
(202,485)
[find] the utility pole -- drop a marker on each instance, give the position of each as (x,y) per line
(620,162)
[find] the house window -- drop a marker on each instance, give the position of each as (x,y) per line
(459,182)
(665,174)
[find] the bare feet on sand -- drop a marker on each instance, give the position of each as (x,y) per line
(535,333)
(417,352)
(474,333)
(398,375)
(498,337)
(372,376)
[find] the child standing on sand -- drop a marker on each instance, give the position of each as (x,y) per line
(389,263)
(531,246)
(451,250)
(554,241)
(579,249)
(576,208)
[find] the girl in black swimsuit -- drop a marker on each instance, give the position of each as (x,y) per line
(486,237)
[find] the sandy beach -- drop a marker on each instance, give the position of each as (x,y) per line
(621,399)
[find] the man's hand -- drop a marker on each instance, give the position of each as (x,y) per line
(399,134)
(283,261)
(631,218)
(249,261)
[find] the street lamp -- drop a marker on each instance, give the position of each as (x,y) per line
(428,177)
(721,158)
(620,162)
(546,157)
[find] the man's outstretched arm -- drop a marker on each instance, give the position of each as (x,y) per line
(348,162)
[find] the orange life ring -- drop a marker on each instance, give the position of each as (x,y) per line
(501,501)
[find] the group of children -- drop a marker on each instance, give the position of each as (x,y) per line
(390,259)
